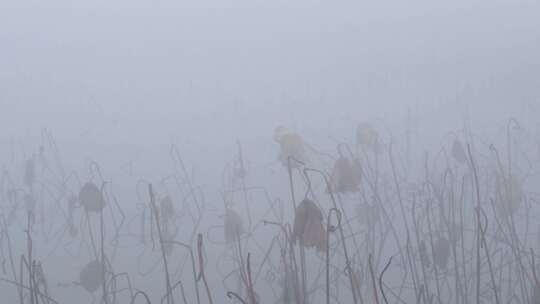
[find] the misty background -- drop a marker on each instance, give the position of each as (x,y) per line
(119,82)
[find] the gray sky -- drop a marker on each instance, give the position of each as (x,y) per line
(172,63)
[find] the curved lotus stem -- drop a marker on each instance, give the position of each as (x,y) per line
(251,292)
(483,230)
(231,294)
(201,267)
(373,279)
(192,256)
(21,286)
(170,298)
(342,235)
(381,277)
(179,283)
(330,228)
(141,293)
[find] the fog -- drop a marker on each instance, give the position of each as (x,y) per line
(208,123)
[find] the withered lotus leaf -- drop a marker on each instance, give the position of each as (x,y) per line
(308,226)
(291,145)
(234,226)
(91,198)
(91,276)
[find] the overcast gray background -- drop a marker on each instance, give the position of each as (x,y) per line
(120,81)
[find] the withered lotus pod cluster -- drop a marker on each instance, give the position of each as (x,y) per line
(345,175)
(91,276)
(458,152)
(91,198)
(233,226)
(291,145)
(308,226)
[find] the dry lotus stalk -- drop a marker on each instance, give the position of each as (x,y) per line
(234,226)
(508,194)
(345,177)
(441,252)
(91,276)
(458,152)
(91,198)
(291,145)
(308,226)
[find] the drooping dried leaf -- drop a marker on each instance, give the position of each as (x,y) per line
(91,198)
(308,226)
(91,276)
(291,145)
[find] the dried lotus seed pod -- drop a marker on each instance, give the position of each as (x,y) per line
(91,276)
(91,198)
